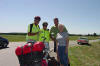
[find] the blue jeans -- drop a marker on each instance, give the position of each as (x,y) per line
(62,55)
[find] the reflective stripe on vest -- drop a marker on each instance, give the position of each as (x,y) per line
(44,35)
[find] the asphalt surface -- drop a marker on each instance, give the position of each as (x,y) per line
(8,57)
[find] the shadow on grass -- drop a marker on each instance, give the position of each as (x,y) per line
(87,44)
(3,48)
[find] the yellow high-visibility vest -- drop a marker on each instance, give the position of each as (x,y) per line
(35,29)
(44,35)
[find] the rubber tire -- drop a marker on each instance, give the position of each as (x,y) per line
(79,43)
(4,45)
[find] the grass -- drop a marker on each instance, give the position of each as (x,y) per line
(85,55)
(77,37)
(73,37)
(17,38)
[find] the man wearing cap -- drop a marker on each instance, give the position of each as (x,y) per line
(44,36)
(33,30)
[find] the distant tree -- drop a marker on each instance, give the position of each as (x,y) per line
(94,34)
(88,35)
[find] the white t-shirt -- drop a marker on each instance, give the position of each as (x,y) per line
(61,38)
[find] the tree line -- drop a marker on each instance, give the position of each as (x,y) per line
(94,34)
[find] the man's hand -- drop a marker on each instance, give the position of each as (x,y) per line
(53,39)
(29,34)
(37,33)
(32,34)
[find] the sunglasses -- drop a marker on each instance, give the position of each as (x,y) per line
(37,20)
(45,25)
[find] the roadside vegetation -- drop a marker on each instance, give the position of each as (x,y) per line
(15,38)
(85,55)
(18,37)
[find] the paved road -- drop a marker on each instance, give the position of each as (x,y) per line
(8,57)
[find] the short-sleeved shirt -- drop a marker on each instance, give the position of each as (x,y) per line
(61,38)
(55,30)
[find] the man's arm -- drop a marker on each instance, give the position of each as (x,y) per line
(52,37)
(51,31)
(32,34)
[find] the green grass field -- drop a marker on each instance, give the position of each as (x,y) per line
(18,38)
(85,55)
(15,38)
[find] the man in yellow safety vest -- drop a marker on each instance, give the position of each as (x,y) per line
(33,30)
(44,36)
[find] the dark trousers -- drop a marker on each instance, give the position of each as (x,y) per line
(54,46)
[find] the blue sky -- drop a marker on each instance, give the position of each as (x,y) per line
(79,16)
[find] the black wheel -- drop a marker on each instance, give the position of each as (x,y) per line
(79,43)
(4,44)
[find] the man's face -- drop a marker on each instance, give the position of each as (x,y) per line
(37,21)
(56,21)
(44,26)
